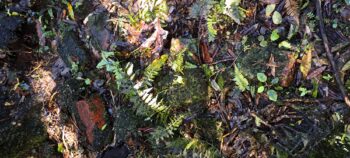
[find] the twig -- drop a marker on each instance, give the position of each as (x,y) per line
(340,46)
(329,54)
(223,60)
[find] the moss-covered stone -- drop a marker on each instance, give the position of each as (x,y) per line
(193,89)
(71,49)
(20,136)
(125,122)
(255,60)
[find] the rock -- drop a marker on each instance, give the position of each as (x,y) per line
(125,122)
(71,49)
(120,151)
(100,36)
(8,27)
(254,61)
(193,91)
(59,69)
(91,113)
(21,128)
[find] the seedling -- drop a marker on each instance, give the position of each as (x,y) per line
(303,91)
(271,93)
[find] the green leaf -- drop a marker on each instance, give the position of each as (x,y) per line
(178,64)
(87,81)
(261,89)
(257,120)
(252,90)
(261,77)
(70,11)
(269,9)
(272,94)
(275,80)
(215,85)
(103,127)
(274,35)
(212,32)
(240,80)
(303,91)
(327,77)
(106,54)
(189,65)
(263,43)
(277,18)
(156,65)
(315,88)
(285,44)
(60,147)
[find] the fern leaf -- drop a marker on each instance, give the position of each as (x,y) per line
(212,32)
(292,10)
(240,80)
(152,70)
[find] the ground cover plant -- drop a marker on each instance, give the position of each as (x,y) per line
(182,78)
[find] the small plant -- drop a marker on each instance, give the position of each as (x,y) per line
(263,42)
(263,85)
(327,77)
(274,35)
(303,91)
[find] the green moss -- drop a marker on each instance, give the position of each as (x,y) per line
(193,90)
(254,60)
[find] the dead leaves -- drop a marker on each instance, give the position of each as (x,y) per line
(292,10)
(154,44)
(288,72)
(203,46)
(316,72)
(305,64)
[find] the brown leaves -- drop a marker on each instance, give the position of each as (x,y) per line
(156,39)
(288,72)
(203,47)
(272,64)
(305,63)
(292,10)
(316,72)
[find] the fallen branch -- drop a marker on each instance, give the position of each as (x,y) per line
(329,54)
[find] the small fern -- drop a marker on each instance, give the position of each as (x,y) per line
(162,133)
(212,32)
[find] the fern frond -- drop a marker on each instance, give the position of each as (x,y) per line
(152,70)
(240,80)
(212,32)
(162,133)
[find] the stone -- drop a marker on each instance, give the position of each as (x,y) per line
(8,27)
(254,61)
(100,36)
(71,49)
(193,91)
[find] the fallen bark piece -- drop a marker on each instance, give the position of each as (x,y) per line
(91,114)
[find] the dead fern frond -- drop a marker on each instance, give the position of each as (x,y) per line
(292,9)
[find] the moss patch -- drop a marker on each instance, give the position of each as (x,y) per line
(192,90)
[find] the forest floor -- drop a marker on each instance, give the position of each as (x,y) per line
(182,78)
